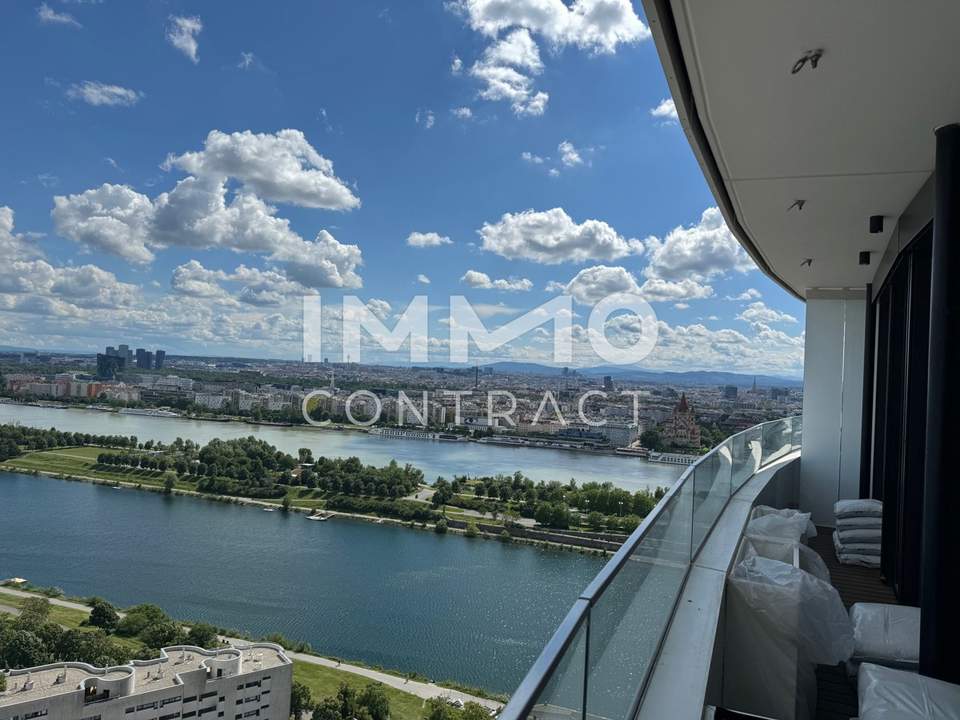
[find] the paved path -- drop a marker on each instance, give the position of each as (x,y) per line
(423,690)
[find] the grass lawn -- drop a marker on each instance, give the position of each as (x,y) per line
(324,681)
(83,461)
(70,618)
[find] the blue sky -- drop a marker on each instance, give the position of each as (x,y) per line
(179,174)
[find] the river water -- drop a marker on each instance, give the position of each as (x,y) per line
(433,457)
(475,611)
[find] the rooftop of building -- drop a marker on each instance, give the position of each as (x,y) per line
(29,684)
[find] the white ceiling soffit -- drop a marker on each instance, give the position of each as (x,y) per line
(852,137)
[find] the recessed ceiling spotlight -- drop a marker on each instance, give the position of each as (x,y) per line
(810,56)
(798,204)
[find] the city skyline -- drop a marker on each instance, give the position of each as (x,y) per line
(503,161)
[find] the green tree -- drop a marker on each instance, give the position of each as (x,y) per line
(202,635)
(595,520)
(34,612)
(651,440)
(436,708)
(441,526)
(375,700)
(347,699)
(300,699)
(25,649)
(472,530)
(139,617)
(474,711)
(327,709)
(168,484)
(103,615)
(162,634)
(285,503)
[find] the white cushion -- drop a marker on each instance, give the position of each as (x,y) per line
(858,535)
(889,694)
(858,508)
(886,634)
(865,521)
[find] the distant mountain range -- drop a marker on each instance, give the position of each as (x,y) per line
(690,377)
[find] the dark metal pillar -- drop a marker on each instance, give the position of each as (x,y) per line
(940,581)
(866,412)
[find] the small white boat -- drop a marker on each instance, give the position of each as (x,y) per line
(269,509)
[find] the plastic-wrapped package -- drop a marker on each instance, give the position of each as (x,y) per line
(889,694)
(886,635)
(782,550)
(782,523)
(774,589)
(811,561)
(858,508)
(857,548)
(865,522)
(858,535)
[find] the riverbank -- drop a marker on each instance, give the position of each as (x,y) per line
(323,675)
(434,458)
(79,464)
(410,433)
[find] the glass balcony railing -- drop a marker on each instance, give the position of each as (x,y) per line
(598,661)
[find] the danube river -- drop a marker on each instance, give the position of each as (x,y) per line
(434,458)
(475,611)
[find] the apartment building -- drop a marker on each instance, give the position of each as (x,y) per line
(243,682)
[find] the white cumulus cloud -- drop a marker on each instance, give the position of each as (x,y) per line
(593,284)
(666,110)
(699,252)
(551,237)
(282,167)
(482,281)
(758,312)
(596,25)
(425,240)
(506,70)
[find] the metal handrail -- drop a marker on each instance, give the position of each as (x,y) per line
(536,679)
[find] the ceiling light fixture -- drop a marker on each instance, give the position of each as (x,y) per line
(864,257)
(810,56)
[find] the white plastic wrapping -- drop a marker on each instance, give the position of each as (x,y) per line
(775,589)
(858,535)
(889,694)
(864,522)
(858,508)
(855,548)
(779,549)
(783,523)
(886,634)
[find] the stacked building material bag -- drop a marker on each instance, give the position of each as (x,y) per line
(857,537)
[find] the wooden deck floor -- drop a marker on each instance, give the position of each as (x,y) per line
(836,692)
(855,584)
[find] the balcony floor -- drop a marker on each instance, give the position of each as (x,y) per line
(836,693)
(855,584)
